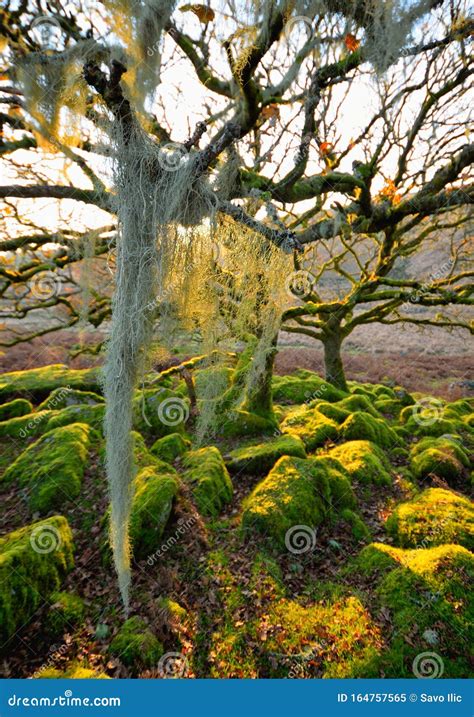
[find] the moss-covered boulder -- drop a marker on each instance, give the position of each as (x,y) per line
(33,562)
(240,424)
(303,387)
(75,671)
(66,612)
(37,383)
(297,491)
(93,415)
(158,412)
(155,488)
(364,461)
(442,457)
(434,517)
(362,425)
(422,591)
(136,646)
(389,407)
(29,425)
(358,402)
(15,408)
(311,426)
(259,458)
(332,411)
(170,447)
(51,469)
(209,481)
(64,397)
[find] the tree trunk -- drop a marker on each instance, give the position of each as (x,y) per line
(333,362)
(258,398)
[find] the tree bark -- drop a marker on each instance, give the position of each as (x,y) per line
(259,398)
(333,365)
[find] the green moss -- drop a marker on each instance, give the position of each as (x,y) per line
(28,426)
(359,529)
(384,391)
(422,589)
(66,612)
(364,461)
(239,423)
(332,411)
(434,517)
(332,639)
(92,415)
(436,429)
(258,459)
(37,383)
(212,382)
(389,407)
(459,409)
(170,447)
(136,646)
(159,412)
(206,474)
(73,672)
(362,425)
(297,491)
(15,408)
(303,387)
(311,426)
(64,397)
(443,457)
(155,489)
(33,562)
(358,403)
(52,468)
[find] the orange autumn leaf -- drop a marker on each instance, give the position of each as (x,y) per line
(203,13)
(351,42)
(389,191)
(270,111)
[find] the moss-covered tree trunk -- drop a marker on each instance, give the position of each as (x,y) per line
(259,398)
(334,368)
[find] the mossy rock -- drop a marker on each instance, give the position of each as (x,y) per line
(209,481)
(65,613)
(459,409)
(29,425)
(422,589)
(332,411)
(170,447)
(37,383)
(434,517)
(383,391)
(388,407)
(259,458)
(332,639)
(51,469)
(73,672)
(155,488)
(159,412)
(240,424)
(64,397)
(362,425)
(311,426)
(438,428)
(442,457)
(356,402)
(33,562)
(297,491)
(15,408)
(93,415)
(358,528)
(136,646)
(304,387)
(364,461)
